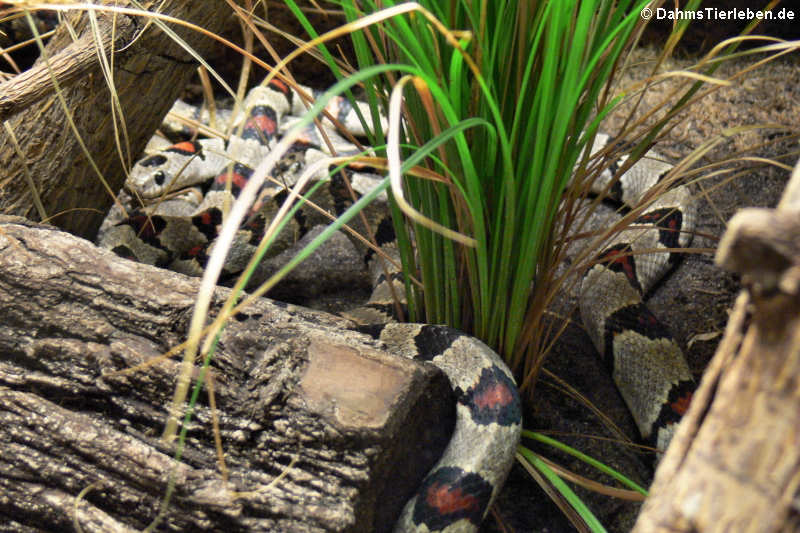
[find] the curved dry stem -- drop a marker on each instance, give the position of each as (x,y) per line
(225,313)
(594,486)
(37,199)
(212,272)
(452,37)
(396,177)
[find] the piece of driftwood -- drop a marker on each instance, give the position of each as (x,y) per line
(734,464)
(321,430)
(149,71)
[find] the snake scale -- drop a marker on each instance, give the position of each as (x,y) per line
(188,184)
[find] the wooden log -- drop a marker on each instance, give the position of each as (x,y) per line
(322,431)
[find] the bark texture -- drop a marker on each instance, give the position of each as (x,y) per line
(734,464)
(149,71)
(321,430)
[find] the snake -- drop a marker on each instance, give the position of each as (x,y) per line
(645,361)
(189,183)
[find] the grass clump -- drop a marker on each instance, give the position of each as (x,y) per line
(504,96)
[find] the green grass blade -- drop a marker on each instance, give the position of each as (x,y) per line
(572,498)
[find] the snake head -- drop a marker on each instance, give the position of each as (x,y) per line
(179,166)
(150,177)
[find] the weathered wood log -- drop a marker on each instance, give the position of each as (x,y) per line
(734,464)
(321,430)
(149,71)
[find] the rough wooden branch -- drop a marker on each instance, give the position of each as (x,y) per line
(149,74)
(763,245)
(351,428)
(734,464)
(67,66)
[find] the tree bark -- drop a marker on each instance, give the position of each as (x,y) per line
(321,430)
(734,464)
(149,71)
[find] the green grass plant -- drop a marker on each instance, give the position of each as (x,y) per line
(530,76)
